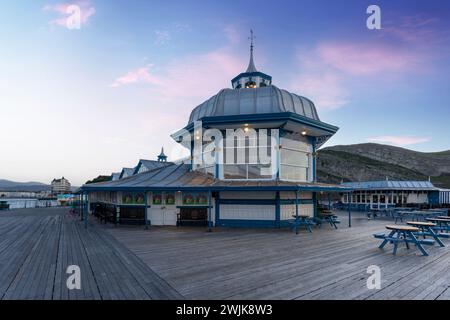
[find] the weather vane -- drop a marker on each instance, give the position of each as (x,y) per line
(251,38)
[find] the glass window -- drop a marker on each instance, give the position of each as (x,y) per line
(157,198)
(294,173)
(169,198)
(194,198)
(127,198)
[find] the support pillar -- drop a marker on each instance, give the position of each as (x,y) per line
(86,213)
(209,210)
(349,212)
(296,212)
(146,210)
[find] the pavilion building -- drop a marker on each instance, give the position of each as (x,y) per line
(252,163)
(385,194)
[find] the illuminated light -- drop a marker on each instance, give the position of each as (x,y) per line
(246,129)
(303,133)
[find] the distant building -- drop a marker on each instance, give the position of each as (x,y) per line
(378,195)
(60,186)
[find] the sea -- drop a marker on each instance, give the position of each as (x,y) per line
(21,203)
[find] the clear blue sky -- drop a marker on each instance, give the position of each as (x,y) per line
(85,102)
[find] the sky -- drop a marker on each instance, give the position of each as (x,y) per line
(80,102)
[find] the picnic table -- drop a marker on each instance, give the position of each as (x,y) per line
(421,214)
(400,214)
(442,223)
(426,229)
(404,234)
(302,220)
(328,216)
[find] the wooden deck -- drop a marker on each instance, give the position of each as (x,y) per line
(277,264)
(37,246)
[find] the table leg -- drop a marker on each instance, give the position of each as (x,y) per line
(308,226)
(406,240)
(435,236)
(386,241)
(396,244)
(421,248)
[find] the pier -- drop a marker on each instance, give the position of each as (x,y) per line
(128,262)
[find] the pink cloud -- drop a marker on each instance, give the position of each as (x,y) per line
(367,59)
(325,89)
(140,75)
(399,140)
(326,70)
(194,76)
(202,74)
(419,30)
(87,10)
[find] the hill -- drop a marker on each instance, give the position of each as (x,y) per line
(7,185)
(372,161)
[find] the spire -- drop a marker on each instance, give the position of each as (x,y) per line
(251,65)
(251,78)
(162,157)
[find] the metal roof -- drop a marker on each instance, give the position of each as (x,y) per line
(179,177)
(261,100)
(150,165)
(115,176)
(126,172)
(391,185)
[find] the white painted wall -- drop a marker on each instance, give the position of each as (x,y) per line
(247,212)
(290,195)
(247,195)
(288,210)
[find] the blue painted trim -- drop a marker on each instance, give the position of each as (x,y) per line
(217,208)
(251,74)
(314,160)
(264,117)
(300,201)
(314,201)
(219,188)
(240,223)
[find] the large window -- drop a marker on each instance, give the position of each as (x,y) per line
(295,158)
(206,161)
(248,157)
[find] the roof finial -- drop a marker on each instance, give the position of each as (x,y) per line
(162,157)
(251,64)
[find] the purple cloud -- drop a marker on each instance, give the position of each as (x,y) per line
(399,140)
